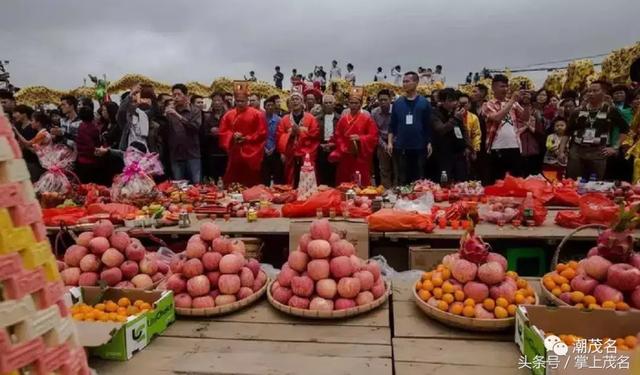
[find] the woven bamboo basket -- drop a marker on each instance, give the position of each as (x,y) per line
(550,298)
(253,247)
(335,314)
(224,309)
(462,322)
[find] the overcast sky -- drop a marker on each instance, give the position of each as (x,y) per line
(57,43)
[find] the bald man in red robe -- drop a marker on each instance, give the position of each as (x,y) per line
(242,134)
(355,137)
(298,134)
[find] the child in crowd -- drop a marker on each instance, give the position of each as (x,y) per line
(40,123)
(555,159)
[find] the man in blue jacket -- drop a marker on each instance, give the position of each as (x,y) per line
(409,138)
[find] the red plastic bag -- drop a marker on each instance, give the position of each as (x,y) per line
(257,193)
(518,187)
(118,210)
(509,187)
(390,220)
(598,209)
(324,200)
(355,211)
(285,197)
(565,197)
(54,217)
(570,219)
(268,212)
(541,188)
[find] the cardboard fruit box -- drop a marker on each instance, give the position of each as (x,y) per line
(593,355)
(119,341)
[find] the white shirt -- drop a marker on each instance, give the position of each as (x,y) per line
(426,80)
(380,77)
(139,130)
(351,77)
(328,126)
(335,73)
(437,77)
(506,136)
(397,77)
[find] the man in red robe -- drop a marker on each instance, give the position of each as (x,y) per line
(242,134)
(355,137)
(297,135)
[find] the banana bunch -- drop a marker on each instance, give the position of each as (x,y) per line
(468,88)
(372,89)
(126,82)
(222,85)
(577,73)
(83,92)
(555,81)
(153,210)
(264,89)
(36,95)
(343,86)
(592,77)
(518,82)
(615,67)
(428,89)
(197,88)
(178,197)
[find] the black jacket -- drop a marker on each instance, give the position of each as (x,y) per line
(446,141)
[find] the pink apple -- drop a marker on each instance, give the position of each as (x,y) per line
(584,284)
(623,277)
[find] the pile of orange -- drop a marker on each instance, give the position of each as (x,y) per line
(450,297)
(109,311)
(622,343)
(559,282)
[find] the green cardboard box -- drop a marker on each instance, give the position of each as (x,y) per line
(119,341)
(533,322)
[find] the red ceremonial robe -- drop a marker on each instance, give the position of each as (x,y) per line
(295,147)
(351,155)
(245,158)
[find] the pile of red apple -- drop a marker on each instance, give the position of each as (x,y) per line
(608,278)
(213,271)
(113,257)
(325,274)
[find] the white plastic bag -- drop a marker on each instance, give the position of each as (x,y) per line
(421,205)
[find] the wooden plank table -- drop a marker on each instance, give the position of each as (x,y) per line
(262,340)
(280,226)
(424,346)
(547,231)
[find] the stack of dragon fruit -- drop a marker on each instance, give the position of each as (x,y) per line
(609,277)
(324,273)
(213,271)
(110,256)
(475,283)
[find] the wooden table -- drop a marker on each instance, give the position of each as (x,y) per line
(262,340)
(423,346)
(280,226)
(547,231)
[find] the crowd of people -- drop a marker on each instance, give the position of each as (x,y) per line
(392,140)
(320,77)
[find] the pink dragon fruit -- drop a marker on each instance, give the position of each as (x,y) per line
(616,243)
(473,248)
